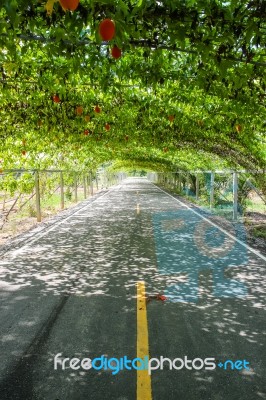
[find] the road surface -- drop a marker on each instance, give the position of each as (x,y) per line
(72,289)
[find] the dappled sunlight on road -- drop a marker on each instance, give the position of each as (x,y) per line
(87,268)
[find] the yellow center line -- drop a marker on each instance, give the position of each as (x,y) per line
(143,378)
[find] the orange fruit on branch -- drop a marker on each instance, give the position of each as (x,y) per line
(69,4)
(107,29)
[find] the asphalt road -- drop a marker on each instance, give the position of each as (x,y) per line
(72,290)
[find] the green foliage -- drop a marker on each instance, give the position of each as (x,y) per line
(201,61)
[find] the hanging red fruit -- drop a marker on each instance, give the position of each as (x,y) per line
(238,128)
(107,29)
(97,109)
(23,152)
(171,118)
(69,4)
(86,132)
(116,52)
(79,110)
(107,127)
(56,99)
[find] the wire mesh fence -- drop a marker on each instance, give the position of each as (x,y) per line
(27,196)
(231,194)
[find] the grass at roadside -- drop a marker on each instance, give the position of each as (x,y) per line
(20,220)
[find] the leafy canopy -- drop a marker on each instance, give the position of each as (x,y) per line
(188,91)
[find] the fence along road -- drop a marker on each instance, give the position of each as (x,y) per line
(74,291)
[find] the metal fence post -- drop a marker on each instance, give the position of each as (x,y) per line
(212,190)
(91,182)
(84,187)
(76,187)
(187,182)
(38,198)
(62,190)
(197,186)
(235,195)
(175,180)
(97,183)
